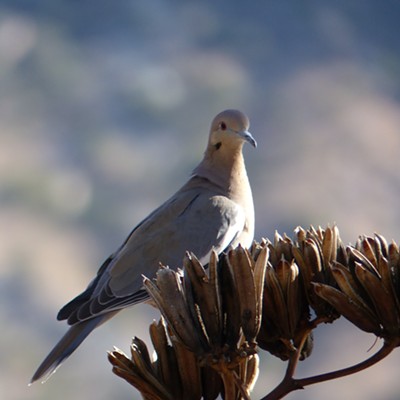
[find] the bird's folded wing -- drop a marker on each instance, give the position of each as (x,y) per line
(191,220)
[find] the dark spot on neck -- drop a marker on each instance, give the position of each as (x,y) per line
(218,145)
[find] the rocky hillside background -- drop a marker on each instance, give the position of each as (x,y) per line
(105,109)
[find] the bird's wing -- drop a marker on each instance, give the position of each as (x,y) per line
(193,220)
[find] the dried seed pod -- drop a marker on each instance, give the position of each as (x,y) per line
(315,252)
(284,307)
(282,246)
(359,316)
(203,296)
(230,305)
(175,374)
(166,363)
(211,383)
(249,278)
(348,285)
(189,371)
(168,295)
(369,294)
(203,336)
(382,300)
(293,268)
(139,375)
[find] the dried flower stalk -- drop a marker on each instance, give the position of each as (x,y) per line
(272,295)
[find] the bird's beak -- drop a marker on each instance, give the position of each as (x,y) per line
(248,137)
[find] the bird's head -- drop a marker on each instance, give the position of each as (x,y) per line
(231,127)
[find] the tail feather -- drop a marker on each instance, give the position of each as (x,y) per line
(75,335)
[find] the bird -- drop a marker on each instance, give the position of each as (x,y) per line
(212,210)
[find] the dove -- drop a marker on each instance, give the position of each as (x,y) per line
(212,210)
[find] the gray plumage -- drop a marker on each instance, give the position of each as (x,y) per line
(214,209)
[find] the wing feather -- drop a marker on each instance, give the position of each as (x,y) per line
(190,221)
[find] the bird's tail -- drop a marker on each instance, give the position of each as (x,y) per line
(75,335)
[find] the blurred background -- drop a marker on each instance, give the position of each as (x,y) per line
(104,111)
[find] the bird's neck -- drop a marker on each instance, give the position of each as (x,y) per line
(225,167)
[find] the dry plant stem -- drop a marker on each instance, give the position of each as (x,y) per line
(294,360)
(383,352)
(229,385)
(239,383)
(232,383)
(289,384)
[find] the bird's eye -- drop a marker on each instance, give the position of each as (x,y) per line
(222,126)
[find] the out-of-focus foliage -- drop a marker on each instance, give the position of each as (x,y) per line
(94,98)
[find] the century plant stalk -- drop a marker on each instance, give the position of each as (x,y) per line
(215,318)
